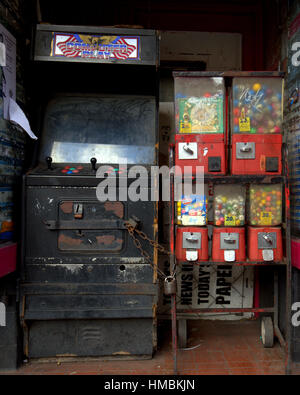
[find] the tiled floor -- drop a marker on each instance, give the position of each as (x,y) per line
(214,347)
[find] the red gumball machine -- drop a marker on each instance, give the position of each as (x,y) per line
(191,244)
(265,216)
(264,244)
(256,121)
(200,122)
(228,244)
(191,232)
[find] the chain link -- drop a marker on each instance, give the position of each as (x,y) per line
(132,230)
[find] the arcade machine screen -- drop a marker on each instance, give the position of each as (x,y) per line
(111,129)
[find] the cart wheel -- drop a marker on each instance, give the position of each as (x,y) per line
(182,333)
(267,332)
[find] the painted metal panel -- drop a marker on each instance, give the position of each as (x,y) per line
(95,45)
(206,286)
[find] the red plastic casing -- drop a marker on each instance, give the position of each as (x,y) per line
(266,145)
(8,258)
(208,145)
(218,253)
(181,252)
(255,253)
(295,252)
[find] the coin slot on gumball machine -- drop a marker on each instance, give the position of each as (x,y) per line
(192,244)
(256,125)
(264,244)
(265,218)
(228,244)
(200,122)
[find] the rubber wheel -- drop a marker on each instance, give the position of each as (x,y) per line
(267,332)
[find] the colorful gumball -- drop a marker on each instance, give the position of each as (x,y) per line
(236,112)
(256,87)
(229,205)
(259,103)
(265,205)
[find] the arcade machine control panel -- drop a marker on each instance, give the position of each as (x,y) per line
(63,169)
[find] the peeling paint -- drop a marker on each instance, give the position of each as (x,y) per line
(133,274)
(131,260)
(116,207)
(64,240)
(73,268)
(67,207)
(38,207)
(106,239)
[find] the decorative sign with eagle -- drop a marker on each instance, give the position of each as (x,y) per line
(72,45)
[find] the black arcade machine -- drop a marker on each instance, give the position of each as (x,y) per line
(86,289)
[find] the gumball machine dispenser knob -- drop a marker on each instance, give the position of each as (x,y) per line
(93,162)
(49,162)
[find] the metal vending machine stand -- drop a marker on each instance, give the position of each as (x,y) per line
(85,288)
(249,229)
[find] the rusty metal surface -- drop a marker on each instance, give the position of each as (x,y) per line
(228,310)
(97,337)
(86,268)
(100,231)
(90,241)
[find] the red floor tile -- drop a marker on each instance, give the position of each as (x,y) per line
(225,348)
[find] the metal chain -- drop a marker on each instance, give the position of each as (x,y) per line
(132,230)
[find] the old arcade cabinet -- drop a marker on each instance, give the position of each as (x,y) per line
(86,290)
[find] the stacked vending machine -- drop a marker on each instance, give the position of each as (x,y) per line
(200,123)
(256,125)
(247,210)
(265,218)
(229,220)
(191,231)
(199,149)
